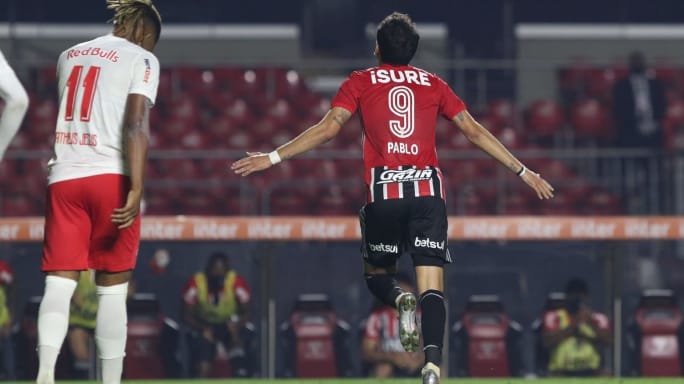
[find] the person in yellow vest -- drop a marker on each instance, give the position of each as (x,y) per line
(6,318)
(575,335)
(216,310)
(82,319)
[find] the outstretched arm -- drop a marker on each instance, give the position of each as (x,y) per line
(481,137)
(316,135)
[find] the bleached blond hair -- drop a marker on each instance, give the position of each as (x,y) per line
(133,10)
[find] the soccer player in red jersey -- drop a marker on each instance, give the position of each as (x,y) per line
(399,105)
(95,182)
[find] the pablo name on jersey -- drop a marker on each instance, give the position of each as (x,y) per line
(73,138)
(407,76)
(402,148)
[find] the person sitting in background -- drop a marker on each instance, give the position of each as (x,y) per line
(82,319)
(639,106)
(6,318)
(575,334)
(216,310)
(381,347)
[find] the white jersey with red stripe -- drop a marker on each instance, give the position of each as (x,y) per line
(399,107)
(94,81)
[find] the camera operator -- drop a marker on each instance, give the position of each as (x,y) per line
(576,334)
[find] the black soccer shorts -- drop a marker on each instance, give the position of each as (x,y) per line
(417,226)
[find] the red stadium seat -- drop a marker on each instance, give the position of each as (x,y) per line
(657,335)
(313,340)
(143,347)
(674,125)
(590,120)
(551,169)
(545,118)
(157,203)
(562,204)
(486,340)
(503,113)
(18,205)
(469,201)
(600,203)
(510,138)
(240,140)
(600,83)
(333,203)
(289,202)
(517,202)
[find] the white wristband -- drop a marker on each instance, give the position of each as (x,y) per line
(522,171)
(274,157)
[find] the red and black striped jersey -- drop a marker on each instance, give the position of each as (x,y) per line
(399,107)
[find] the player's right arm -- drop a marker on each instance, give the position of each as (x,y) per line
(316,135)
(481,137)
(136,133)
(142,94)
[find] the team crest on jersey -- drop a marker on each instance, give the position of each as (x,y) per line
(404,176)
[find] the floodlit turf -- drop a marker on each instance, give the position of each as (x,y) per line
(407,381)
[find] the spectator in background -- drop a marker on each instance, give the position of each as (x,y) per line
(575,334)
(639,106)
(82,319)
(16,103)
(6,319)
(216,310)
(382,351)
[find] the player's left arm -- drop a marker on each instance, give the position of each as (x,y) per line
(136,132)
(481,137)
(318,134)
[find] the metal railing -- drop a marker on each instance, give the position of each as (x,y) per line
(644,181)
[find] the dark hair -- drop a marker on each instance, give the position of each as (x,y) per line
(576,286)
(216,257)
(132,10)
(397,39)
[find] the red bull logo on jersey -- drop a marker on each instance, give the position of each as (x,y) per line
(111,55)
(405,175)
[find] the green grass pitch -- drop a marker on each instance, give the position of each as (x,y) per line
(407,381)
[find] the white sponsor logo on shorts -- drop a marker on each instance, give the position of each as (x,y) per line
(427,243)
(388,248)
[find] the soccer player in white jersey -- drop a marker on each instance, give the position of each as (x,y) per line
(16,103)
(95,180)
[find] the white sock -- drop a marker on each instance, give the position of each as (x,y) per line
(110,331)
(53,322)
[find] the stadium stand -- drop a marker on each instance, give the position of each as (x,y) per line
(242,109)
